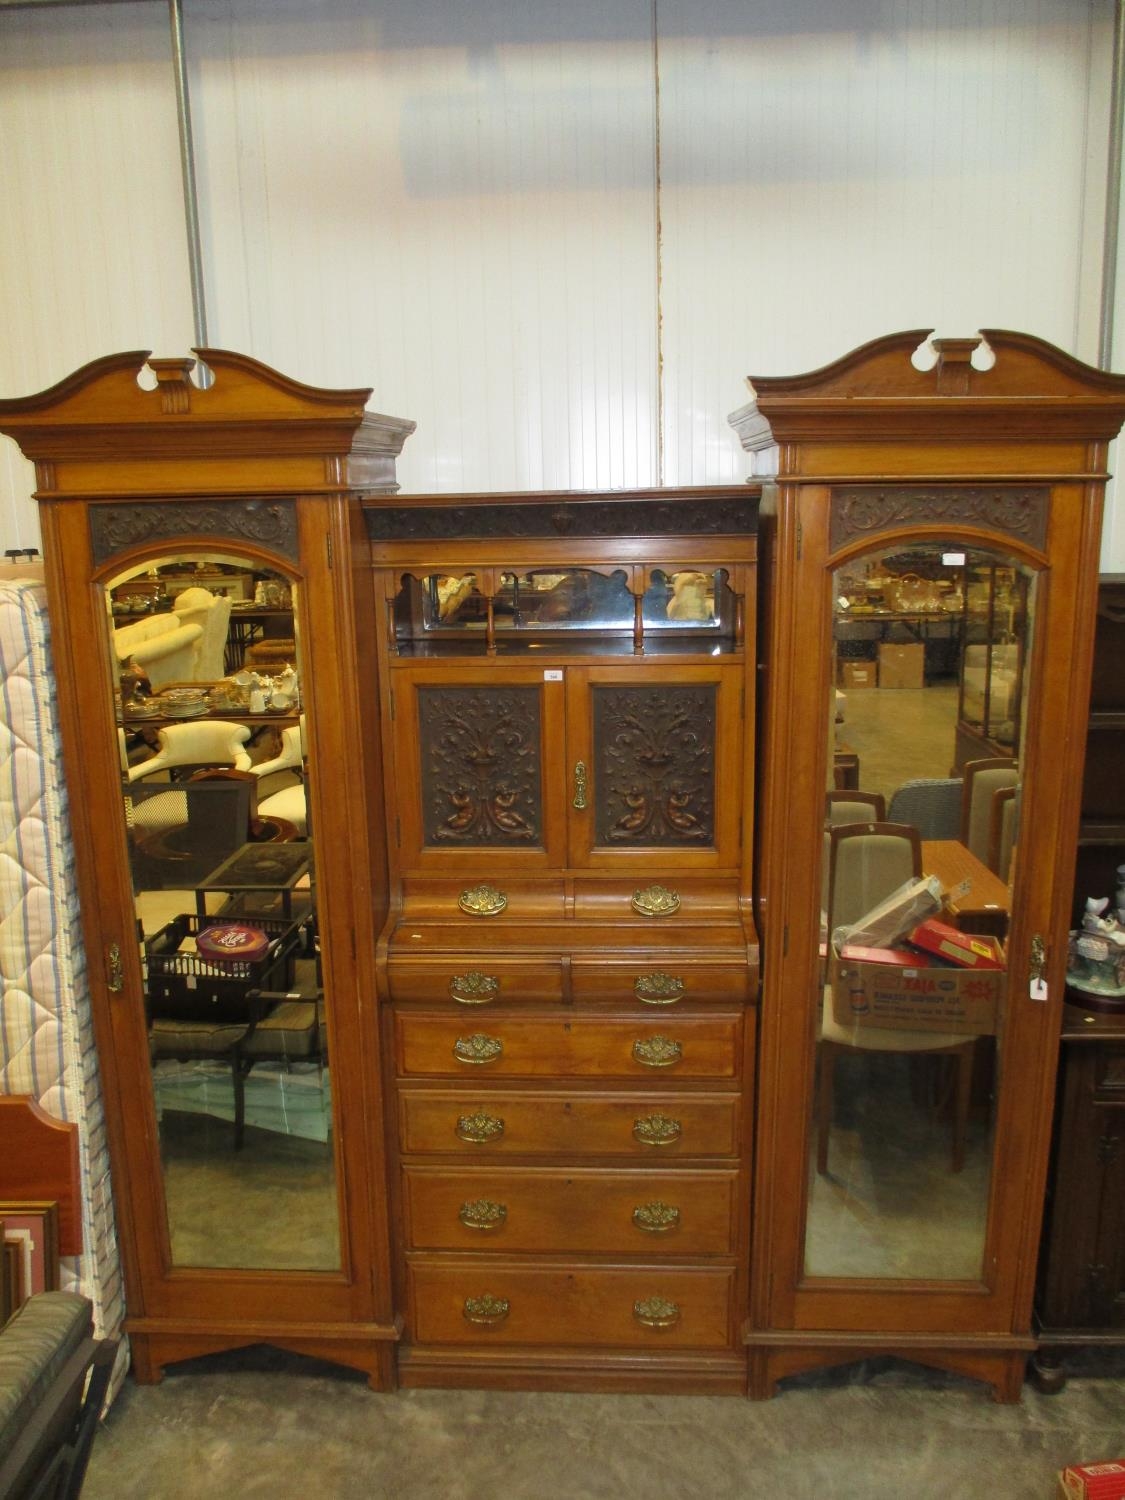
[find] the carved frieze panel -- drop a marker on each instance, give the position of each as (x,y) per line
(481,766)
(721,515)
(265,523)
(654,766)
(867,510)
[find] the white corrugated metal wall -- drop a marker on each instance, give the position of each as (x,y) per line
(557,236)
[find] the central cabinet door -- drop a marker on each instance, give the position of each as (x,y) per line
(588,766)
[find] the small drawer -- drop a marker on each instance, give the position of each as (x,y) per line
(661,904)
(499,1302)
(660,986)
(480,907)
(565,1045)
(594,1212)
(475,980)
(496,1122)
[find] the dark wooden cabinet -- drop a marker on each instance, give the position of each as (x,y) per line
(570,964)
(1081,1293)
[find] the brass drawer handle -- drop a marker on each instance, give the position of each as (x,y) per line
(656,1218)
(658,988)
(479,1128)
(487,1311)
(483,1214)
(478,1048)
(655,901)
(474,988)
(656,1312)
(581,785)
(657,1130)
(482,901)
(658,1052)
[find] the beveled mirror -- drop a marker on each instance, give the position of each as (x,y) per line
(205,658)
(932,646)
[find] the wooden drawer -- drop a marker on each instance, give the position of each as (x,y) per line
(441,900)
(595,1212)
(600,1307)
(476,979)
(495,1122)
(699,900)
(660,985)
(561,1046)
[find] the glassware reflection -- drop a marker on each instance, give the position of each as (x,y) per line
(919,852)
(213,760)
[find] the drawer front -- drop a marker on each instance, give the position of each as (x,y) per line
(498,1123)
(633,1308)
(476,980)
(658,905)
(594,1212)
(567,1046)
(660,986)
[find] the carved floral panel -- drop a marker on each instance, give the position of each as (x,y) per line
(654,760)
(481,766)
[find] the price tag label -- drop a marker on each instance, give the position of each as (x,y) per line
(552,674)
(1037,989)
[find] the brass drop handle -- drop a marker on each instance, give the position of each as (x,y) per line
(656,1218)
(477,1049)
(115,970)
(474,988)
(482,901)
(657,1130)
(487,1311)
(478,1129)
(581,785)
(655,901)
(656,1312)
(483,1214)
(658,988)
(658,1052)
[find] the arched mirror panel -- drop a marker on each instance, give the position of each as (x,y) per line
(204,653)
(931,647)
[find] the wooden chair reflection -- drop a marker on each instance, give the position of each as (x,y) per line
(981,779)
(866,863)
(1002,829)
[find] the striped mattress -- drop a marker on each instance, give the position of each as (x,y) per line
(46,1032)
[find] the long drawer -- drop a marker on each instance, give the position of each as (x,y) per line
(560,1046)
(510,1123)
(604,1307)
(596,1212)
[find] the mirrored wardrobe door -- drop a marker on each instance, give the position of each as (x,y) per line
(920,869)
(205,661)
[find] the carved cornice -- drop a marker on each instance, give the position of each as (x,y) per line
(868,510)
(270,524)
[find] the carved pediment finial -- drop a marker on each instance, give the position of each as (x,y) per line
(173,381)
(954,367)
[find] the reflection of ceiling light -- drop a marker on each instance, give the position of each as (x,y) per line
(953,559)
(843,602)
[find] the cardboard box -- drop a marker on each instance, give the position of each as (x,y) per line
(966,950)
(858,674)
(915,997)
(902,666)
(1104,1481)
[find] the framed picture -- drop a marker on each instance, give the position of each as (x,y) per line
(31,1249)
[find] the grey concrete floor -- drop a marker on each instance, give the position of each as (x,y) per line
(263,1423)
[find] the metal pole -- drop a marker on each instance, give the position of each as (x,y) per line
(187,169)
(1113,192)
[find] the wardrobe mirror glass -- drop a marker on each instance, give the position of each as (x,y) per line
(926,715)
(206,662)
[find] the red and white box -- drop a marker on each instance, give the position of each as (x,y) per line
(1105,1481)
(965,949)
